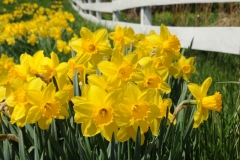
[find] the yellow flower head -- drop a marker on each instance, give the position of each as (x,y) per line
(95,45)
(121,36)
(183,68)
(96,112)
(167,44)
(204,102)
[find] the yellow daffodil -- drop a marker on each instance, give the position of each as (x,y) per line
(204,102)
(120,37)
(47,104)
(95,45)
(167,44)
(35,61)
(136,109)
(184,68)
(120,70)
(18,100)
(32,39)
(6,69)
(154,78)
(52,67)
(22,69)
(96,112)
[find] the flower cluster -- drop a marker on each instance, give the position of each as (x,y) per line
(39,23)
(121,86)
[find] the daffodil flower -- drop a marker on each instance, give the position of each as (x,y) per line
(154,78)
(95,45)
(120,70)
(184,68)
(167,44)
(51,67)
(17,99)
(96,112)
(204,102)
(121,37)
(46,105)
(136,109)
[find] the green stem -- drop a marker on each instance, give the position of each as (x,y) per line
(182,105)
(129,150)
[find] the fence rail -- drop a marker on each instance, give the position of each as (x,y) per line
(216,39)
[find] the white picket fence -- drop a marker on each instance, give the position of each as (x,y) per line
(217,39)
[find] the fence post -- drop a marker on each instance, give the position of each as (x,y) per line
(79,7)
(146,15)
(115,14)
(98,14)
(90,12)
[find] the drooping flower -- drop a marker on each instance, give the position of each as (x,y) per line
(204,102)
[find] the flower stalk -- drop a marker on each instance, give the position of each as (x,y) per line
(181,106)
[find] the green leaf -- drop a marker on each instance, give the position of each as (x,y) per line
(112,148)
(102,145)
(58,148)
(137,153)
(36,156)
(21,145)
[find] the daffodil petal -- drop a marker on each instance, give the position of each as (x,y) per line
(117,57)
(76,45)
(108,130)
(35,84)
(96,95)
(123,134)
(154,126)
(101,35)
(2,93)
(84,109)
(132,92)
(62,96)
(164,32)
(10,100)
(86,33)
(154,39)
(54,59)
(88,128)
(49,92)
(62,69)
(107,68)
(205,86)
(18,112)
(34,114)
(44,123)
(195,90)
